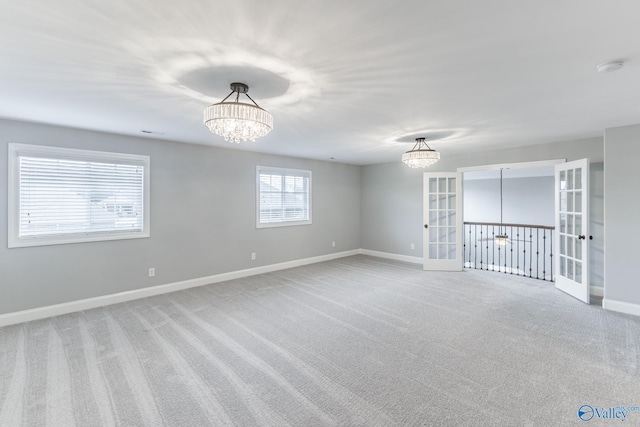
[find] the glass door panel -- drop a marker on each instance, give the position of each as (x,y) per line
(443,226)
(572,193)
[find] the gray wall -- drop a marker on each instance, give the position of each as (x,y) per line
(202,221)
(392,209)
(622,205)
(392,194)
(525,200)
(203,215)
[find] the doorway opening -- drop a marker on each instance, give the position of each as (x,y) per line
(509,219)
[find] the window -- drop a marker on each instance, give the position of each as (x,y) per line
(284,197)
(62,195)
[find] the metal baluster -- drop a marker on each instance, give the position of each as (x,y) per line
(518,251)
(537,253)
(544,254)
(464,245)
(530,252)
(481,247)
(475,248)
(553,279)
(510,251)
(498,249)
(493,247)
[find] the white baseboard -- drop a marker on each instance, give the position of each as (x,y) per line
(86,304)
(621,307)
(89,303)
(596,291)
(397,257)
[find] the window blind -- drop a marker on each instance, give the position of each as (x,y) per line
(284,196)
(66,197)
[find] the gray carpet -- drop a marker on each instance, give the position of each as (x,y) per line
(358,341)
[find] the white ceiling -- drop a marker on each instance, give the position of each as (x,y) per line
(342,79)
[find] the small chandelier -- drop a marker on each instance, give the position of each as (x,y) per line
(421,155)
(238,121)
(501,239)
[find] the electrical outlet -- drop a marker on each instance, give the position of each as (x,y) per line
(253,256)
(152,272)
(333,244)
(413,246)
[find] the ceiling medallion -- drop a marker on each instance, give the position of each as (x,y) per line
(609,67)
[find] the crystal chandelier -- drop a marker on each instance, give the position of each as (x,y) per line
(501,239)
(238,121)
(421,155)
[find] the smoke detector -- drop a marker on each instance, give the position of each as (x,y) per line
(609,67)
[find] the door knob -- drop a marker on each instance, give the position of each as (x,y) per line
(426,226)
(581,237)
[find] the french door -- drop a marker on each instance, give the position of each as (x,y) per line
(442,234)
(572,228)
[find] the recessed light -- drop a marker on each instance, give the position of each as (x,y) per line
(609,67)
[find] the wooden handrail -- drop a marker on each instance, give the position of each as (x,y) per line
(497,224)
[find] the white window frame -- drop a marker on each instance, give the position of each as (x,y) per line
(285,172)
(16,150)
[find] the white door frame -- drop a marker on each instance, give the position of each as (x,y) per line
(551,163)
(460,211)
(520,165)
(524,165)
